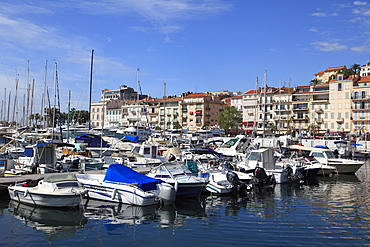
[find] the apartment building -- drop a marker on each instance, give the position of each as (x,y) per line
(169,112)
(328,74)
(200,110)
(319,107)
(340,104)
(97,114)
(250,110)
(282,99)
(361,105)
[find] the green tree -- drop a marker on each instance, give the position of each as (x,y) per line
(230,118)
(272,128)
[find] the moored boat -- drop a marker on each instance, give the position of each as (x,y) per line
(56,190)
(123,185)
(179,176)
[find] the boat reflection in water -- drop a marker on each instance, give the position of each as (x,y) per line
(112,215)
(54,222)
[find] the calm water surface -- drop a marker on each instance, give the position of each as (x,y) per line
(331,211)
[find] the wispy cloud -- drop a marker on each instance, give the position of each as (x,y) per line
(328,46)
(361,49)
(359,3)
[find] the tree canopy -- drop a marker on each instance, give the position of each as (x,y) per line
(230,118)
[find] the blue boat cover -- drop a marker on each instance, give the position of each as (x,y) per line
(123,174)
(131,138)
(92,140)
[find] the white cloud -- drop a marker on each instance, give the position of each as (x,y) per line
(359,3)
(361,49)
(319,14)
(327,46)
(313,29)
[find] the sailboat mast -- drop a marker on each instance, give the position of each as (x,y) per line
(164,106)
(32,95)
(15,108)
(137,101)
(264,102)
(10,93)
(43,100)
(91,72)
(69,114)
(28,92)
(255,113)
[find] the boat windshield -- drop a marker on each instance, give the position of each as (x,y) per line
(229,143)
(60,178)
(329,154)
(173,169)
(254,156)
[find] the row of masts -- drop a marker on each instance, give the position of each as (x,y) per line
(12,114)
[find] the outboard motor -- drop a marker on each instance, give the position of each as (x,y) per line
(238,185)
(262,177)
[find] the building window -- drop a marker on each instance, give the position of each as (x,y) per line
(339,87)
(355,95)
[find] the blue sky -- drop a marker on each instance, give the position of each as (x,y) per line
(192,45)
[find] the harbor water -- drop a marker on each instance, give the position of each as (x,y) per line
(332,211)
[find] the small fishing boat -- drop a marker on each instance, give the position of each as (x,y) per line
(121,184)
(57,190)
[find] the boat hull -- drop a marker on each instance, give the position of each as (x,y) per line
(347,168)
(26,196)
(115,192)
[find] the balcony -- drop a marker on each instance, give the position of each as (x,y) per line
(320,110)
(340,120)
(320,100)
(300,109)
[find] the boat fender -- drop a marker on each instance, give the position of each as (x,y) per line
(176,185)
(26,193)
(114,193)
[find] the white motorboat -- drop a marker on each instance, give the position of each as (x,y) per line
(303,158)
(326,157)
(57,190)
(123,185)
(343,166)
(179,176)
(263,164)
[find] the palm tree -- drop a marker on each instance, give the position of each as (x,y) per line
(313,128)
(314,81)
(356,68)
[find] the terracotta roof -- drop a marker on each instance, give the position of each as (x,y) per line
(253,92)
(322,85)
(237,96)
(196,95)
(365,79)
(335,68)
